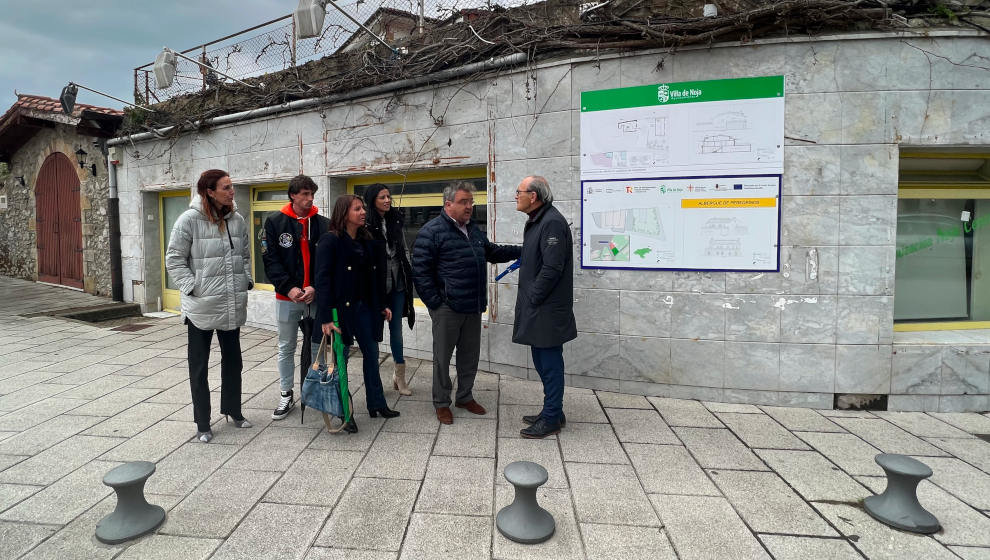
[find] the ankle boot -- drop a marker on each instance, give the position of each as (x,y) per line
(399,380)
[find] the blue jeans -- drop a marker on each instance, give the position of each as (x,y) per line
(288,314)
(549,364)
(364,332)
(396,302)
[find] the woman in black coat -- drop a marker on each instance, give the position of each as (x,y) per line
(347,280)
(385,223)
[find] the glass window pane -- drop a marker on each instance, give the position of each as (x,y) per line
(422,187)
(172,208)
(258,218)
(417,216)
(980,275)
(931,276)
(264,196)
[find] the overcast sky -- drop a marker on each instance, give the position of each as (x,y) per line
(44,45)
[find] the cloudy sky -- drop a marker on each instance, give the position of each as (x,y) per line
(44,45)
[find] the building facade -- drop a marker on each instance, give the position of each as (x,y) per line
(53,202)
(887,143)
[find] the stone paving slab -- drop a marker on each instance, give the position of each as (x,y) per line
(217,505)
(609,494)
(669,469)
(967,421)
(787,547)
(888,437)
(813,476)
(635,425)
(168,547)
(591,443)
(621,400)
(620,542)
(273,531)
(718,449)
(458,486)
(702,527)
(760,431)
(438,537)
(677,412)
(961,480)
(372,514)
(850,453)
(974,451)
(767,505)
(878,541)
(922,425)
(410,488)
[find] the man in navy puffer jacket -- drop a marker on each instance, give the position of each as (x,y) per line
(450,275)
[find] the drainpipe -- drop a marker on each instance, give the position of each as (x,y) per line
(443,75)
(113,214)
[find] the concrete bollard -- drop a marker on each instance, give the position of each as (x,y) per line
(524,520)
(133,516)
(898,506)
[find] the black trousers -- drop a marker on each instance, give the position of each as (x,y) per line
(230,373)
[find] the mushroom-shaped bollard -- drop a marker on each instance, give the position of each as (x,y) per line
(524,520)
(898,506)
(133,516)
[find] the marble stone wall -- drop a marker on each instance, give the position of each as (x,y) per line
(822,325)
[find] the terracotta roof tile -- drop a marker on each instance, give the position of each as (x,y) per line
(49,105)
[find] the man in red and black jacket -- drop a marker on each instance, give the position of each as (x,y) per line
(288,249)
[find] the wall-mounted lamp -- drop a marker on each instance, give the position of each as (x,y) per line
(81,158)
(68,98)
(20,180)
(166,62)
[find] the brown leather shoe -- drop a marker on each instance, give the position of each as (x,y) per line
(445,416)
(472,406)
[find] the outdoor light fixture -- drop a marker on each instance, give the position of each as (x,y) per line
(81,157)
(165,64)
(309,16)
(20,180)
(68,98)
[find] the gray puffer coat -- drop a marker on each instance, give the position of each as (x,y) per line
(211,268)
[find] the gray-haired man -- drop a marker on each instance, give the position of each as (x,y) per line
(450,275)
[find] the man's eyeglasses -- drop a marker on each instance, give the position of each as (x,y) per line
(518,192)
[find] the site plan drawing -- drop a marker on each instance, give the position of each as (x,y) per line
(683,175)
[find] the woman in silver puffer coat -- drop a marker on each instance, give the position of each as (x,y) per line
(208,259)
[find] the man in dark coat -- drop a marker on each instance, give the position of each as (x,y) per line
(451,277)
(288,249)
(545,302)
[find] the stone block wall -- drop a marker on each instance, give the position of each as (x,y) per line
(821,325)
(18,240)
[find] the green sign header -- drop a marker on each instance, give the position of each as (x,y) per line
(682,92)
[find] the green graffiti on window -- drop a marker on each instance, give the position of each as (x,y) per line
(943,235)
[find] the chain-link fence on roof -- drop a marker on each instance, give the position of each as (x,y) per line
(273,47)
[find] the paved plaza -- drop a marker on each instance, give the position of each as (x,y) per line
(630,476)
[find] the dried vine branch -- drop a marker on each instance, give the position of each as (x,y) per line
(543,30)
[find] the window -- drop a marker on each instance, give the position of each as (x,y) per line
(265,201)
(419,196)
(942,271)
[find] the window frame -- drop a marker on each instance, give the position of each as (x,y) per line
(263,206)
(946,184)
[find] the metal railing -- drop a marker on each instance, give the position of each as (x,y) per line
(272,46)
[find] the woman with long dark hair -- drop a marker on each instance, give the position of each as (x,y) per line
(208,258)
(347,280)
(385,224)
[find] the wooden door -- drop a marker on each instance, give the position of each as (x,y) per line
(59,223)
